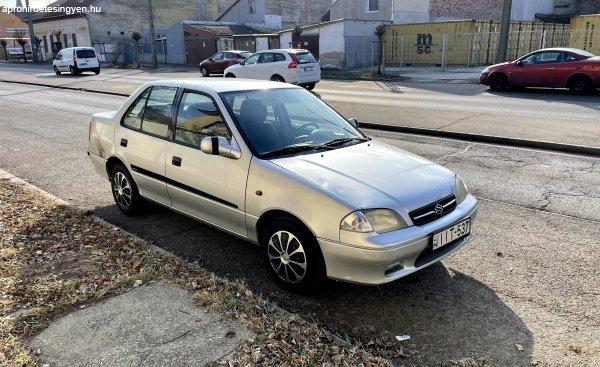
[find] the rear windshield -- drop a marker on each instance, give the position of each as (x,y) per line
(584,53)
(86,54)
(305,58)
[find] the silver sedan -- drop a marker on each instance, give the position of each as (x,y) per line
(273,164)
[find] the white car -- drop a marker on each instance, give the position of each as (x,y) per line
(293,66)
(273,164)
(76,60)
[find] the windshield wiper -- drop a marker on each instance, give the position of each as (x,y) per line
(290,150)
(342,141)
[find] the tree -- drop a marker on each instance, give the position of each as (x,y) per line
(137,36)
(380,32)
(296,33)
(3,44)
(21,35)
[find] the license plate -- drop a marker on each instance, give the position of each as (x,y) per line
(83,64)
(451,234)
(310,68)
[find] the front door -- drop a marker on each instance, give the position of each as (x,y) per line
(248,67)
(142,141)
(209,187)
(264,68)
(537,70)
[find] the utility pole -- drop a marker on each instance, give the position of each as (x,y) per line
(152,34)
(32,37)
(504,31)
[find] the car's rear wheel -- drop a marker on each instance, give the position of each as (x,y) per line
(125,191)
(293,256)
(230,75)
(204,71)
(277,78)
(580,85)
(97,71)
(310,86)
(56,71)
(498,82)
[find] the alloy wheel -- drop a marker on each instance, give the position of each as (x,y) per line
(287,257)
(122,190)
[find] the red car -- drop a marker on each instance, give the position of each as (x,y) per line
(570,68)
(220,61)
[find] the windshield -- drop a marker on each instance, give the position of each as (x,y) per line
(86,54)
(305,58)
(284,121)
(245,54)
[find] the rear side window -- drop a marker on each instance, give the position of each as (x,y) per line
(198,117)
(86,54)
(133,116)
(278,57)
(305,58)
(157,114)
(265,58)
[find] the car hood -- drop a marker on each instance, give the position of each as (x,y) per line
(495,66)
(374,175)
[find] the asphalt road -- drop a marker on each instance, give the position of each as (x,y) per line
(529,277)
(546,115)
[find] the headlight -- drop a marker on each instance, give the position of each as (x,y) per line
(378,220)
(461,190)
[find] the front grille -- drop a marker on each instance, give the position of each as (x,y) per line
(428,213)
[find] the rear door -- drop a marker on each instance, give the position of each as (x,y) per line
(537,70)
(86,58)
(209,187)
(568,64)
(142,140)
(308,67)
(264,68)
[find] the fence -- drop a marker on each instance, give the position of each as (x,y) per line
(474,49)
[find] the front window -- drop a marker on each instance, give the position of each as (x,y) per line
(542,58)
(252,59)
(278,122)
(372,5)
(198,118)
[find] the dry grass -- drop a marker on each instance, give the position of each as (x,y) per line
(55,259)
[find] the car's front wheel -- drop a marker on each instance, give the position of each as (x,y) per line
(310,86)
(230,75)
(97,71)
(204,71)
(293,256)
(277,78)
(498,82)
(125,191)
(56,71)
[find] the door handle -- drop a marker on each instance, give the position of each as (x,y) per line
(176,161)
(124,142)
(551,68)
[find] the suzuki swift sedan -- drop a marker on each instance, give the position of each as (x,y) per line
(273,164)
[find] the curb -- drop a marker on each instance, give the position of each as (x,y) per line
(490,139)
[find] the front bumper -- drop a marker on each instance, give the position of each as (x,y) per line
(405,251)
(483,78)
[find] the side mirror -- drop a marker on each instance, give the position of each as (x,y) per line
(218,145)
(519,63)
(354,122)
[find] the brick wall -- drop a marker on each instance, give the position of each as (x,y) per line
(465,9)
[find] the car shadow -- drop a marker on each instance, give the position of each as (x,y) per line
(552,95)
(448,315)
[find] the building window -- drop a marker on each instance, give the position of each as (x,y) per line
(372,5)
(252,6)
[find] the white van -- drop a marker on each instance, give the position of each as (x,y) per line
(76,60)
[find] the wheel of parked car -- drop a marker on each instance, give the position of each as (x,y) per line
(204,71)
(580,85)
(56,71)
(125,191)
(498,82)
(73,70)
(277,78)
(230,75)
(97,71)
(293,255)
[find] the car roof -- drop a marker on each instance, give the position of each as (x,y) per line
(564,49)
(220,85)
(288,50)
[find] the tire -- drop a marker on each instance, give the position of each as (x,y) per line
(74,70)
(125,192)
(204,71)
(230,75)
(277,78)
(56,71)
(299,266)
(310,86)
(580,85)
(498,82)
(97,71)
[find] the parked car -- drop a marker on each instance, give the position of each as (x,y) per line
(570,68)
(293,66)
(217,63)
(274,165)
(76,60)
